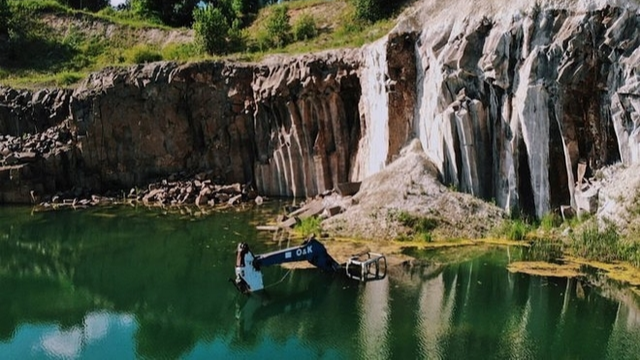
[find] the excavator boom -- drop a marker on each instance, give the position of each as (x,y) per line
(311,250)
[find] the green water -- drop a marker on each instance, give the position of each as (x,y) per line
(134,283)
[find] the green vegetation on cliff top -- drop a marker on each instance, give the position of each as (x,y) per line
(45,44)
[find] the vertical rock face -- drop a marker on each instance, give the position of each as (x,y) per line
(508,107)
(306,123)
(290,124)
(506,103)
(134,125)
(387,78)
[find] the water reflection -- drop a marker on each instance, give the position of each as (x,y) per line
(373,308)
(435,309)
(139,284)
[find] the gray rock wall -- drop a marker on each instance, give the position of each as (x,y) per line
(509,105)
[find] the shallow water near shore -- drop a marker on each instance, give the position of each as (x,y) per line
(125,283)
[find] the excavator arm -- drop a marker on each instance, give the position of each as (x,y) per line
(249,273)
(311,250)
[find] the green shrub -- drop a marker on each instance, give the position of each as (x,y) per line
(308,226)
(417,223)
(425,236)
(235,37)
(421,227)
(368,10)
(140,54)
(211,28)
(90,5)
(259,41)
(5,15)
(305,28)
(108,12)
(512,229)
(278,27)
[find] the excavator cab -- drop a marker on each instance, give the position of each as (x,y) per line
(248,274)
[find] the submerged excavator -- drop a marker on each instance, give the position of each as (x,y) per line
(362,267)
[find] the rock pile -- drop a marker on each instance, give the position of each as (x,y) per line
(196,191)
(16,150)
(324,206)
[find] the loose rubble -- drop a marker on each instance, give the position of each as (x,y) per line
(176,190)
(16,150)
(169,192)
(324,206)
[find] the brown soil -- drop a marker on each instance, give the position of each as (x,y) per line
(89,26)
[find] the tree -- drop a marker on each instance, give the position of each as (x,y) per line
(169,12)
(245,7)
(211,28)
(5,16)
(278,27)
(369,10)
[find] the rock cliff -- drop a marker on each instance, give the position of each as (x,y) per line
(509,104)
(509,101)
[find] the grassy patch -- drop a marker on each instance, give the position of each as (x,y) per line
(605,245)
(181,52)
(140,54)
(76,52)
(39,6)
(550,221)
(301,4)
(68,78)
(420,226)
(512,229)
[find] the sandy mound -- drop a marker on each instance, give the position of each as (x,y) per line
(410,186)
(619,197)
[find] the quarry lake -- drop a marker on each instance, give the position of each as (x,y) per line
(127,283)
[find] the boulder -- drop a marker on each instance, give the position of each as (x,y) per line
(348,188)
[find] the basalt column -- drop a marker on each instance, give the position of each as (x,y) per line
(307,124)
